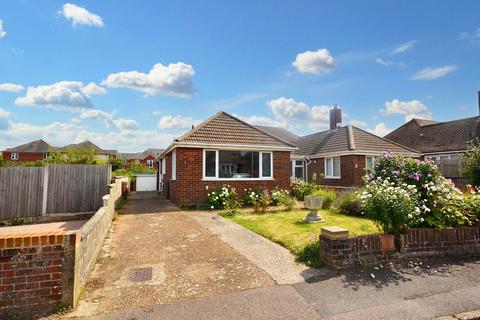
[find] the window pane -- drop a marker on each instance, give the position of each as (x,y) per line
(210,163)
(266,165)
(238,164)
(369,164)
(299,172)
(336,167)
(328,165)
(299,162)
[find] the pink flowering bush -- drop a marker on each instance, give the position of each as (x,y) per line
(404,192)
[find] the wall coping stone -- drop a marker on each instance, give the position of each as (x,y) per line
(334,232)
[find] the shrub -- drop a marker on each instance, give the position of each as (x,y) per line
(300,189)
(283,198)
(261,202)
(348,202)
(328,196)
(404,192)
(251,195)
(224,198)
(471,162)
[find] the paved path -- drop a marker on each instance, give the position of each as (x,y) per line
(158,258)
(277,261)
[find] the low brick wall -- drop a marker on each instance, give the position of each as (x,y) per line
(36,273)
(340,252)
(43,270)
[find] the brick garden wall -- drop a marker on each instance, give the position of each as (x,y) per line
(190,189)
(423,242)
(36,274)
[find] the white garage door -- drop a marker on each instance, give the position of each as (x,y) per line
(147,182)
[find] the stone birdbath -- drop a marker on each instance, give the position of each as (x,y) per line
(313,203)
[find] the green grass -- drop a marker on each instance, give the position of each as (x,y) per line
(301,238)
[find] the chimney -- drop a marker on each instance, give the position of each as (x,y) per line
(335,117)
(478,93)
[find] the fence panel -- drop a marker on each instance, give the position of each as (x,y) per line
(21,192)
(76,188)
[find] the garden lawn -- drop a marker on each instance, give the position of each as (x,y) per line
(301,238)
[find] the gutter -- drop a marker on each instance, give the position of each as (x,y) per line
(307,162)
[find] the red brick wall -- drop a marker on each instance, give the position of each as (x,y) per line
(189,188)
(35,273)
(352,170)
(24,156)
(155,164)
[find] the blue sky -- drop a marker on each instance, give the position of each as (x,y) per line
(131,75)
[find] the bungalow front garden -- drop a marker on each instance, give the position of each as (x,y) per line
(399,194)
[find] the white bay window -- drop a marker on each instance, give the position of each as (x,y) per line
(237,165)
(332,168)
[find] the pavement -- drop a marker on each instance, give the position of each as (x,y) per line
(186,265)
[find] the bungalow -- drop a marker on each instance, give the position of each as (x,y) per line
(147,157)
(31,151)
(223,150)
(101,154)
(226,150)
(437,140)
(337,157)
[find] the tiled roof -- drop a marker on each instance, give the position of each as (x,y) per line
(344,140)
(89,145)
(437,136)
(281,133)
(225,129)
(142,155)
(37,146)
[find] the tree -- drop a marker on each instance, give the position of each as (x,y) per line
(471,162)
(79,155)
(116,163)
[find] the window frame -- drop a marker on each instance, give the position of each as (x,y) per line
(374,160)
(174,165)
(14,156)
(149,161)
(217,166)
(332,167)
(295,166)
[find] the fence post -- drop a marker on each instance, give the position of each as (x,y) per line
(45,190)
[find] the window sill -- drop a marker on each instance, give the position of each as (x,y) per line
(238,179)
(333,178)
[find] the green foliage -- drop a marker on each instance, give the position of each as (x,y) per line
(300,189)
(8,163)
(225,198)
(133,169)
(309,254)
(283,198)
(81,155)
(116,162)
(349,203)
(471,162)
(17,222)
(250,196)
(403,192)
(328,196)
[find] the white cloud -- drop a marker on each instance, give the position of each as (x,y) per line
(11,87)
(60,94)
(91,89)
(411,109)
(316,62)
(473,37)
(4,114)
(404,47)
(381,130)
(259,120)
(80,15)
(177,122)
(433,73)
(2,32)
(389,63)
(172,80)
(109,120)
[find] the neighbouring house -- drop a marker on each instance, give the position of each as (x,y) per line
(39,149)
(338,157)
(31,151)
(101,154)
(442,142)
(148,157)
(223,150)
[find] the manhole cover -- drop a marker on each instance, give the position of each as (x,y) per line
(140,274)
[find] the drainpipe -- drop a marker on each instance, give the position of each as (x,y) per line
(307,162)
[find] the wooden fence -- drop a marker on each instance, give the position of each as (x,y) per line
(40,191)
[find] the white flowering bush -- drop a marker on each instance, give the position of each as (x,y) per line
(283,198)
(224,198)
(403,192)
(251,196)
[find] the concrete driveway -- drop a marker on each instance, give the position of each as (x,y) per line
(164,257)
